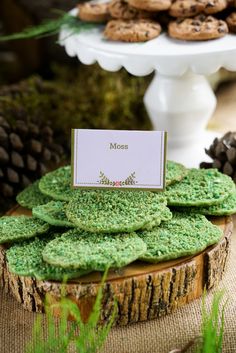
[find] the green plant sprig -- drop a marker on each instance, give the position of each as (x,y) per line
(212,325)
(212,328)
(51,27)
(86,337)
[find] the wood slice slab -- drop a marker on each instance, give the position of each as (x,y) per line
(143,291)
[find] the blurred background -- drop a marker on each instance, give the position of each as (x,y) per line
(43,95)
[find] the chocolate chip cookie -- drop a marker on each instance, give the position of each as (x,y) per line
(151,5)
(215,6)
(132,30)
(187,8)
(190,8)
(94,12)
(198,28)
(231,22)
(120,9)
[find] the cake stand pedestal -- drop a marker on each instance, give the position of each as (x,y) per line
(179,99)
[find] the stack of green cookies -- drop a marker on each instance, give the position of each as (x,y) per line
(74,232)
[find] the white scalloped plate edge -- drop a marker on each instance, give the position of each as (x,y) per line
(164,55)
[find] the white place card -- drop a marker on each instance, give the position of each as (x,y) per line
(118,159)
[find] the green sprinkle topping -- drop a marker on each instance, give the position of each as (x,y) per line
(201,187)
(57,184)
(22,227)
(26,259)
(76,249)
(31,196)
(186,234)
(175,172)
(53,213)
(106,211)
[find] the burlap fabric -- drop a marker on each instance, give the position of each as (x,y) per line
(157,336)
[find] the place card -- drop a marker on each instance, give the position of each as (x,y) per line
(118,159)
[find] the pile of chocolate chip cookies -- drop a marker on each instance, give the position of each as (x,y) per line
(143,20)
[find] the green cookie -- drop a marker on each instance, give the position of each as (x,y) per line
(22,227)
(106,211)
(57,184)
(186,234)
(25,259)
(165,216)
(175,172)
(31,196)
(53,213)
(201,187)
(76,249)
(226,208)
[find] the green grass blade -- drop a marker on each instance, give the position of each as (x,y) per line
(105,330)
(221,331)
(212,325)
(95,315)
(36,337)
(63,326)
(92,337)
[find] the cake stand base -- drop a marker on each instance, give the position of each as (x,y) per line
(194,154)
(182,106)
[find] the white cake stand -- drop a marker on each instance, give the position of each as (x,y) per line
(179,99)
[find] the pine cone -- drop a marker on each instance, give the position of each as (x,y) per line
(27,151)
(30,142)
(223,153)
